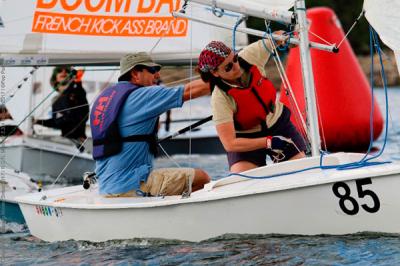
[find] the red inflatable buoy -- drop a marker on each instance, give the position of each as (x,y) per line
(342,90)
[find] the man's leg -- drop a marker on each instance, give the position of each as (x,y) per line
(175,181)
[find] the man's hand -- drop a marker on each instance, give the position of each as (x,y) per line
(278,143)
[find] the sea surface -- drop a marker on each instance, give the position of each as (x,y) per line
(18,247)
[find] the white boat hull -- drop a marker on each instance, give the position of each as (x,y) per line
(40,157)
(303,203)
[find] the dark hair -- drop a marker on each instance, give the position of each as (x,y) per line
(206,76)
(127,75)
(56,70)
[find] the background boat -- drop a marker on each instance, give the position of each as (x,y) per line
(15,184)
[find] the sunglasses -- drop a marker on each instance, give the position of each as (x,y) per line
(152,70)
(229,66)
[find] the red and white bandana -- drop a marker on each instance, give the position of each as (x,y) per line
(213,55)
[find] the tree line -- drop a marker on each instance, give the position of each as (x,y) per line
(346,11)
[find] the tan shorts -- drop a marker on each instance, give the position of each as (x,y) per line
(165,182)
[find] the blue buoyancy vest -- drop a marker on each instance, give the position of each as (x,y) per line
(107,140)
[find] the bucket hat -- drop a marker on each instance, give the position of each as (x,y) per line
(129,61)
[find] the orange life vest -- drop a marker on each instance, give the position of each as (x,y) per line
(253,102)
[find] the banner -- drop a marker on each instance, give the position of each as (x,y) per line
(83,27)
(109,18)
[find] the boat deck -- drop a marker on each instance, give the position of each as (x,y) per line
(231,186)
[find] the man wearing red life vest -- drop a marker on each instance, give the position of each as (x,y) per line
(250,121)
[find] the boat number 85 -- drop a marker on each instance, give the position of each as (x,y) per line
(348,204)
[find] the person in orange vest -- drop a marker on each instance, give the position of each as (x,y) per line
(250,121)
(70,110)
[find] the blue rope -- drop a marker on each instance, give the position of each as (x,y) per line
(238,21)
(265,45)
(378,50)
(223,12)
(364,162)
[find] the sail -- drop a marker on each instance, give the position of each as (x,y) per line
(383,15)
(17,106)
(101,31)
(397,55)
(274,4)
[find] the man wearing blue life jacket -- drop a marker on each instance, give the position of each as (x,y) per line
(124,123)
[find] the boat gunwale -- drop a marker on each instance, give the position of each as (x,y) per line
(206,196)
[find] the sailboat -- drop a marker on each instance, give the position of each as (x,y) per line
(15,184)
(328,194)
(43,156)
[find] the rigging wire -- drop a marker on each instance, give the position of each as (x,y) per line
(284,78)
(365,161)
(68,79)
(11,92)
(28,115)
(352,27)
(191,76)
(182,10)
(84,142)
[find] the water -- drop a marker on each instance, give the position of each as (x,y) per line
(18,247)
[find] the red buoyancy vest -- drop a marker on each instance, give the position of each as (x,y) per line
(253,102)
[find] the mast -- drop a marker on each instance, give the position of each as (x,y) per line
(261,11)
(308,78)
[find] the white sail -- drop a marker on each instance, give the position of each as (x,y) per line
(397,55)
(50,32)
(274,4)
(102,31)
(384,17)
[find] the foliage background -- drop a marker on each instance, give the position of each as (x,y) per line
(347,12)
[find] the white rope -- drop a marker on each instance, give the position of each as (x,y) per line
(319,37)
(168,156)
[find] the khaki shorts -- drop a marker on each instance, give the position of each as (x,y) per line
(165,182)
